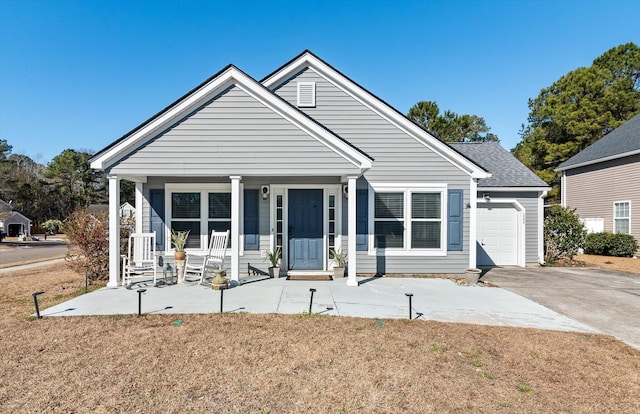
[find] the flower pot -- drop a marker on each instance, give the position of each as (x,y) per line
(472,275)
(180,255)
(274,272)
(338,272)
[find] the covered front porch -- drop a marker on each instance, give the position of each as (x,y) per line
(307,218)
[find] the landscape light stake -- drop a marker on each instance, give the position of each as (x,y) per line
(221,296)
(35,301)
(312,290)
(410,295)
(140,292)
(86,282)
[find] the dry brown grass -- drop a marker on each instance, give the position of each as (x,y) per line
(281,363)
(621,264)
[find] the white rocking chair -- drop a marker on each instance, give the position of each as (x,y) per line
(141,258)
(198,264)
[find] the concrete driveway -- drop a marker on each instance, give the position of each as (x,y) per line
(604,300)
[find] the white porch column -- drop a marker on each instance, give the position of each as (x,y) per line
(543,194)
(139,208)
(351,230)
(114,231)
(235,227)
(473,204)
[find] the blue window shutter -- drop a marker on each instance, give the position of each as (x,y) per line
(251,230)
(156,202)
(362,219)
(455,215)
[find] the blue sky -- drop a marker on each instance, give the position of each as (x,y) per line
(80,74)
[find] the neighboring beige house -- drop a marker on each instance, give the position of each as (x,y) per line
(602,182)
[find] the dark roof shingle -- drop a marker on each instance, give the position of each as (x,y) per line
(623,140)
(506,170)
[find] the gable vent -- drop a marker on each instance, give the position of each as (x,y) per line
(306,94)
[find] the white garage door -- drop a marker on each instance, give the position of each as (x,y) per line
(497,234)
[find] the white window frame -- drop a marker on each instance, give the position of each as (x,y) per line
(628,218)
(204,190)
(408,189)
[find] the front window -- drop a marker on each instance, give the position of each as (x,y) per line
(408,220)
(389,220)
(426,220)
(200,212)
(185,215)
(622,217)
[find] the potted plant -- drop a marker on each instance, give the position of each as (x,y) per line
(179,239)
(274,259)
(340,259)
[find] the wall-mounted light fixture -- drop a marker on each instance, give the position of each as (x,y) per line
(345,191)
(264,192)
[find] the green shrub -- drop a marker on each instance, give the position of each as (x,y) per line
(563,233)
(611,244)
(52,226)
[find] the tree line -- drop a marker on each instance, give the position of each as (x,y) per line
(55,190)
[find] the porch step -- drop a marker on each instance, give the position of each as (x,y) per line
(309,277)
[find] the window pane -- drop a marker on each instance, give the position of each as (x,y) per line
(425,235)
(425,205)
(332,201)
(185,205)
(389,234)
(389,205)
(193,241)
(219,205)
(220,226)
(621,226)
(622,210)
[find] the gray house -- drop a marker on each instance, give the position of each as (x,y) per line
(602,182)
(307,160)
(13,223)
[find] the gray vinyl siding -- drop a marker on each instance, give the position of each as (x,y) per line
(233,134)
(529,200)
(397,156)
(593,189)
(455,261)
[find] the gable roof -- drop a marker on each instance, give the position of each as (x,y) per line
(506,170)
(386,111)
(207,90)
(621,142)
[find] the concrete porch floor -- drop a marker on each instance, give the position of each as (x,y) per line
(433,299)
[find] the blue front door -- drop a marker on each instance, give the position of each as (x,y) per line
(305,230)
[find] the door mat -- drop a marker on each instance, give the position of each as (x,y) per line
(309,277)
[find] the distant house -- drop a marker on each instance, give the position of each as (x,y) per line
(306,160)
(12,223)
(127,210)
(602,182)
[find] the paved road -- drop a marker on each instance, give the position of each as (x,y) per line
(605,300)
(30,251)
